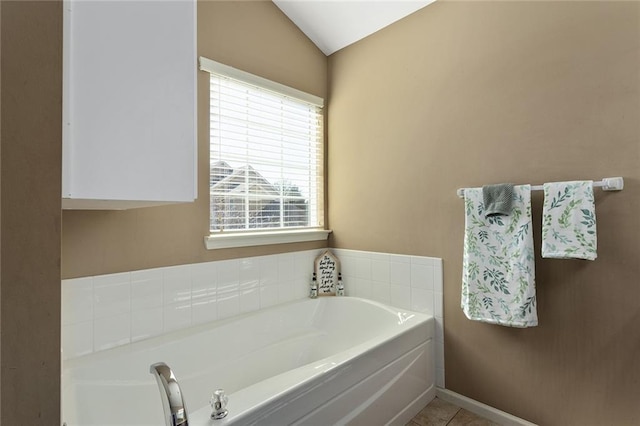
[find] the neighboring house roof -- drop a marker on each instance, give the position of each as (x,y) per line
(229,194)
(242,179)
(219,170)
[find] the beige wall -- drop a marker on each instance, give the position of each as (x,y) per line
(30,147)
(483,92)
(254,36)
(468,93)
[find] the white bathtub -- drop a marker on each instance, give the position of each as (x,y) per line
(332,360)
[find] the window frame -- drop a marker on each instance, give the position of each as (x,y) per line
(268,236)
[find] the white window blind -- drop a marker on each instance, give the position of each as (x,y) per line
(266,154)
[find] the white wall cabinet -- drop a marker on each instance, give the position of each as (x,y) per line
(129,103)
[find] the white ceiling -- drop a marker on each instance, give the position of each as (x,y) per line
(334,24)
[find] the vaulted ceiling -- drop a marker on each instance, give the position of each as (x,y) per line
(334,24)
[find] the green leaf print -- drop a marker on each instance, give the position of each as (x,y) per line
(492,248)
(504,306)
(570,251)
(468,205)
(474,304)
(483,235)
(496,280)
(523,269)
(493,220)
(522,232)
(476,223)
(518,198)
(483,287)
(588,218)
(471,240)
(515,217)
(547,219)
(559,237)
(528,305)
(472,245)
(523,286)
(473,270)
(588,244)
(560,198)
(496,260)
(515,253)
(566,214)
(498,236)
(487,302)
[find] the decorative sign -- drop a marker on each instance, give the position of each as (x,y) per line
(327,267)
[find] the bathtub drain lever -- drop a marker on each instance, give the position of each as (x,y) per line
(219,404)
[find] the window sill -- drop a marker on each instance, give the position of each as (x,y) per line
(250,239)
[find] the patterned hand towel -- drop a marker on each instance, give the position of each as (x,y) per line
(569,221)
(498,270)
(498,199)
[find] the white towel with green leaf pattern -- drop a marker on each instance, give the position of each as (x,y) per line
(569,221)
(498,269)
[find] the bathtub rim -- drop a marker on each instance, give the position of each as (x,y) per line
(156,341)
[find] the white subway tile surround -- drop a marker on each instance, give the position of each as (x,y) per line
(110,310)
(409,282)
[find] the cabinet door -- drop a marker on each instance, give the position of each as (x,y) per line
(129,103)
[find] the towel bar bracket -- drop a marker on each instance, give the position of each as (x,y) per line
(613,184)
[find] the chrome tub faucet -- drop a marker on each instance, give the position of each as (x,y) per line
(175,411)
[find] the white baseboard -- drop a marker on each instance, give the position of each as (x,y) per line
(483,410)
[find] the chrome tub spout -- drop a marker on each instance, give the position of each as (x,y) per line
(175,411)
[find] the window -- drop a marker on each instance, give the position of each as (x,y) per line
(266,159)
